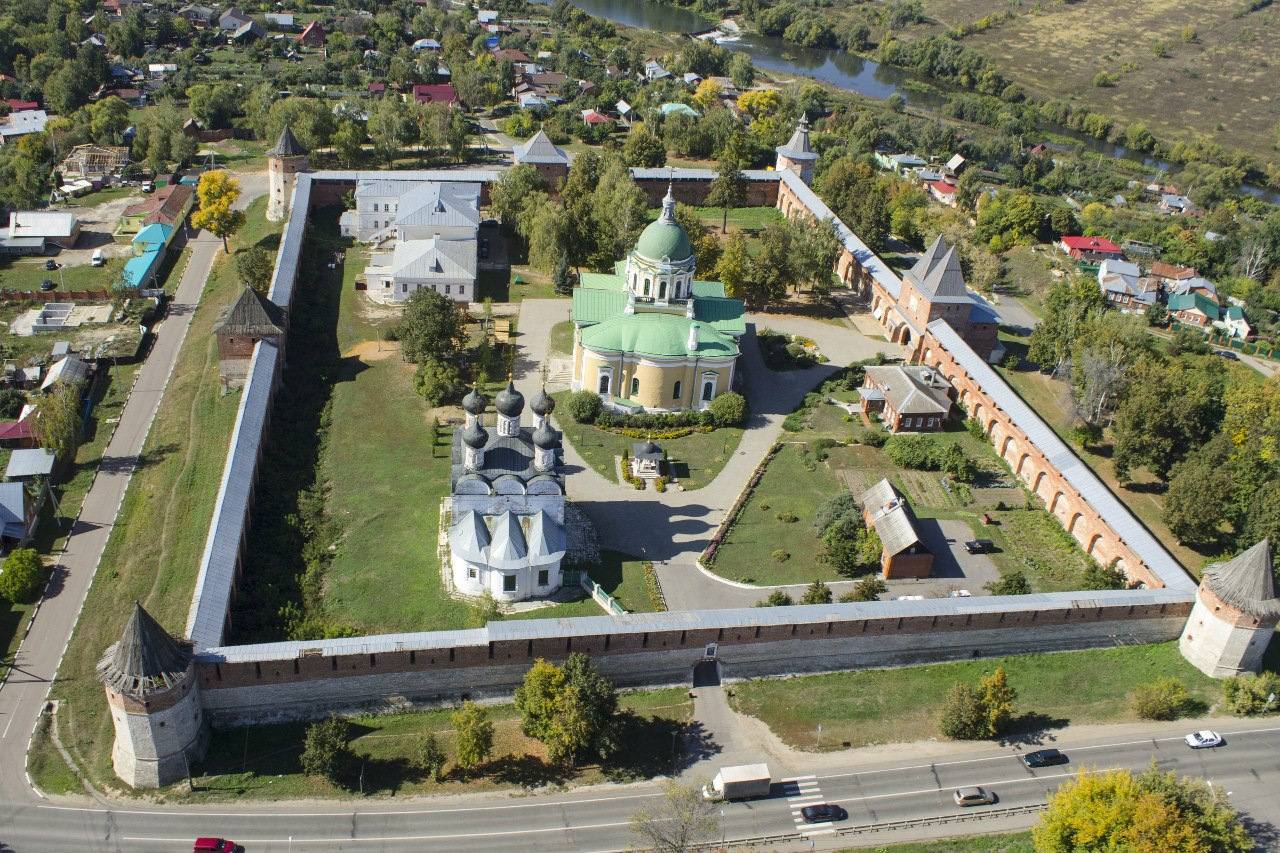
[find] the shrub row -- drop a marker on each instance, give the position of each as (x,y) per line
(656,598)
(730,517)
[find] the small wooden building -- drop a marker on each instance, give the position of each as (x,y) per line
(887,512)
(252,318)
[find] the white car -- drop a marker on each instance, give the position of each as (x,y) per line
(960,593)
(1199,740)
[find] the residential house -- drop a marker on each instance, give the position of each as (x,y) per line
(436,93)
(67,371)
(17,434)
(727,89)
(28,463)
(907,397)
(1177,204)
(531,101)
(249,31)
(281,21)
(16,105)
(313,35)
(233,19)
(1090,249)
(1233,322)
(942,191)
(1117,266)
(95,161)
(21,123)
(169,205)
(1129,293)
(200,17)
(594,117)
(677,108)
(426,44)
(903,164)
(53,227)
(956,164)
(17,516)
(515,57)
(625,114)
(550,162)
(653,70)
(692,79)
(1171,274)
(160,70)
(150,245)
(116,8)
(485,17)
(1196,284)
(903,554)
(1193,309)
(95,40)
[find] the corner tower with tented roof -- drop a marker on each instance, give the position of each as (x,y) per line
(284,162)
(155,704)
(797,155)
(1235,615)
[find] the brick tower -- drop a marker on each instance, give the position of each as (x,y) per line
(797,156)
(284,162)
(1237,607)
(155,704)
(252,318)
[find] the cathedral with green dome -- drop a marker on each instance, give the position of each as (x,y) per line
(650,336)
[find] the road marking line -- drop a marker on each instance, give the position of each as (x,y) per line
(389,838)
(799,778)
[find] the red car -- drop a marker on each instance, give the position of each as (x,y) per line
(216,845)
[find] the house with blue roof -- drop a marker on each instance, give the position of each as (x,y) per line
(150,245)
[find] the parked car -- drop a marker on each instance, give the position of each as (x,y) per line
(97,260)
(1044,758)
(50,264)
(974,796)
(822,813)
(979,546)
(148,186)
(1203,739)
(960,593)
(48,284)
(1227,354)
(216,845)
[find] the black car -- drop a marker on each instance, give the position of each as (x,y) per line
(979,546)
(822,813)
(48,284)
(1227,354)
(50,264)
(1044,758)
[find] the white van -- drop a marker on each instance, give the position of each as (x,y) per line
(97,259)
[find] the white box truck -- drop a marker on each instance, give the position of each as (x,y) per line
(739,783)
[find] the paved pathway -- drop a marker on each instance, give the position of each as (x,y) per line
(36,663)
(674,527)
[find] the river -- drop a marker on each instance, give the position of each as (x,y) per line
(843,69)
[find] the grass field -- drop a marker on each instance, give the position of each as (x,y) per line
(1218,85)
(562,337)
(898,705)
(159,534)
(1015,842)
(28,273)
(263,762)
(697,459)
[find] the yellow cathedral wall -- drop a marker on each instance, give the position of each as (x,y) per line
(657,380)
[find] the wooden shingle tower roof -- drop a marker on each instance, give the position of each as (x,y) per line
(287,146)
(1247,582)
(252,314)
(146,659)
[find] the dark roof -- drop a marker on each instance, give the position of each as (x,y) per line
(287,146)
(252,314)
(146,659)
(503,454)
(1247,582)
(509,401)
(543,403)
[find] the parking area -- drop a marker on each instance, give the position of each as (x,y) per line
(954,568)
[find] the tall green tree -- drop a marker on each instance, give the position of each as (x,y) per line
(860,197)
(348,143)
(389,129)
(1171,407)
(772,270)
(432,326)
(511,192)
(728,188)
(474,732)
(643,149)
(816,246)
(734,267)
(325,753)
(1073,305)
(58,420)
(108,119)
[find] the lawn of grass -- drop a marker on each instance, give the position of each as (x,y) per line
(263,762)
(897,705)
(28,273)
(158,537)
(697,459)
(788,489)
(1014,842)
(501,285)
(562,337)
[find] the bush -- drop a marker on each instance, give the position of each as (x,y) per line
(430,758)
(796,421)
(1104,577)
(584,406)
(11,402)
(729,409)
(867,589)
(918,452)
(833,509)
(816,593)
(438,382)
(777,598)
(953,461)
(1246,695)
(325,753)
(781,556)
(871,437)
(22,575)
(1165,698)
(975,428)
(1014,583)
(787,517)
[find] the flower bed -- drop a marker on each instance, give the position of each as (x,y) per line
(730,517)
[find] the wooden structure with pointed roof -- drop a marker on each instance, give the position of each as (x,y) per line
(1235,615)
(251,318)
(154,698)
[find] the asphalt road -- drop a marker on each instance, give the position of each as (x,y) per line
(1248,766)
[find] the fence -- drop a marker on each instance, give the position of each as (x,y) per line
(1262,349)
(54,295)
(604,599)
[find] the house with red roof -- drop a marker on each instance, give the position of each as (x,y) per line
(435,93)
(590,117)
(943,191)
(15,105)
(1090,249)
(313,35)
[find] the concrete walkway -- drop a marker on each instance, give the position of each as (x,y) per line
(23,694)
(674,527)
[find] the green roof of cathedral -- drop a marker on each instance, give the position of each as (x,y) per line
(660,335)
(664,240)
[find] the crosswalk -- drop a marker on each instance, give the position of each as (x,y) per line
(804,791)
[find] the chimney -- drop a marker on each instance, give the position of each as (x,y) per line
(692,343)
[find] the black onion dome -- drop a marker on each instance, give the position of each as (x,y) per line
(543,403)
(474,402)
(509,401)
(546,438)
(475,436)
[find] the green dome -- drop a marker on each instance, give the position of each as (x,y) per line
(664,239)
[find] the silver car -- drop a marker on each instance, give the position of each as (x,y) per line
(974,796)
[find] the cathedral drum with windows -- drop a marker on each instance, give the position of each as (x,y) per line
(651,337)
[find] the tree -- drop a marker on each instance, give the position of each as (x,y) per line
(728,188)
(707,94)
(1199,488)
(777,598)
(11,402)
(1166,698)
(860,197)
(957,464)
(1246,695)
(706,245)
(1169,408)
(729,409)
(677,822)
(325,753)
(733,266)
(474,733)
(348,143)
(254,266)
(1012,583)
(389,128)
(867,589)
(584,406)
(963,716)
(1102,361)
(509,195)
(215,105)
(816,593)
(217,192)
(108,118)
(593,725)
(1150,813)
(816,248)
(562,278)
(917,452)
(432,326)
(538,698)
(1073,305)
(483,610)
(438,382)
(1263,519)
(743,74)
(430,758)
(643,149)
(772,270)
(57,422)
(1097,576)
(21,576)
(997,701)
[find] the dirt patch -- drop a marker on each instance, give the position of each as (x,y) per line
(373,350)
